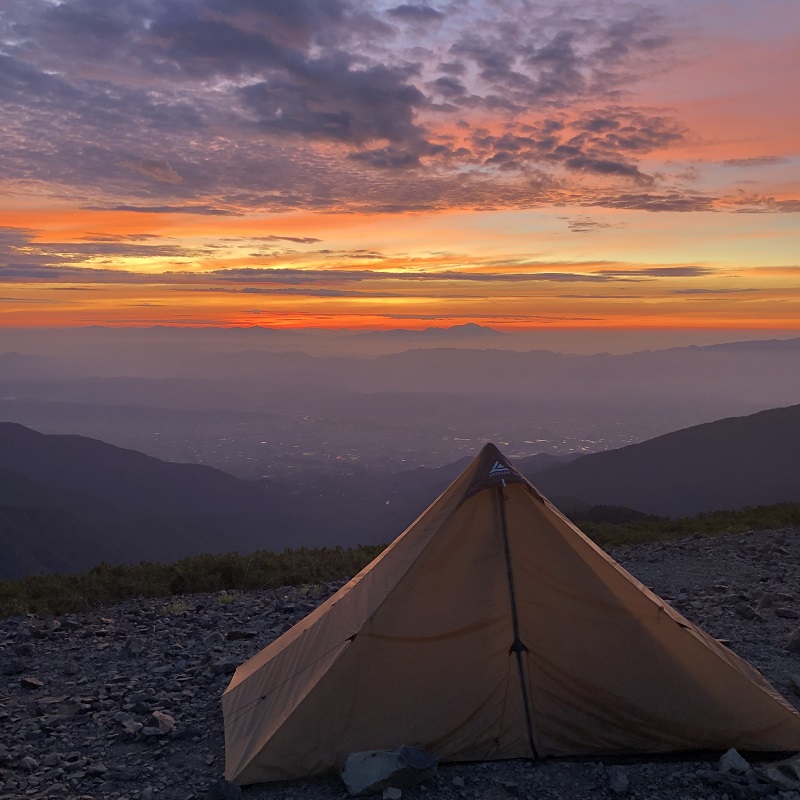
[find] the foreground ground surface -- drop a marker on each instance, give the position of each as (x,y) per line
(125,702)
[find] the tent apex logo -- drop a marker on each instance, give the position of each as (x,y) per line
(499,469)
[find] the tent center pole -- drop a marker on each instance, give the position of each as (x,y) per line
(518,646)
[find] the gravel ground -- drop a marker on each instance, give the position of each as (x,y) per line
(125,702)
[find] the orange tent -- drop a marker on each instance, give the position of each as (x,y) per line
(493,628)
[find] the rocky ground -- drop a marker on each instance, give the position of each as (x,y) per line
(125,702)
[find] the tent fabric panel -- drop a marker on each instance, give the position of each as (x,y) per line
(360,596)
(292,661)
(251,719)
(613,669)
(443,681)
(368,700)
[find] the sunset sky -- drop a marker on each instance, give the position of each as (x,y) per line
(372,164)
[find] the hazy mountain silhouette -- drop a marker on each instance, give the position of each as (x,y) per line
(731,463)
(123,478)
(468,330)
(69,502)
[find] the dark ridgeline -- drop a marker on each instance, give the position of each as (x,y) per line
(731,463)
(68,502)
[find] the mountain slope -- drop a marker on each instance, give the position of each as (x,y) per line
(731,463)
(68,503)
(124,478)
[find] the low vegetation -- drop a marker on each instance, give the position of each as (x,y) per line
(307,567)
(608,526)
(105,584)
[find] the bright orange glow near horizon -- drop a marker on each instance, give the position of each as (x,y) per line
(636,171)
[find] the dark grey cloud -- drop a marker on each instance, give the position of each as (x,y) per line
(668,201)
(57,273)
(659,272)
(596,296)
(409,12)
(122,237)
(452,67)
(493,318)
(329,99)
(604,166)
(223,107)
(587,224)
(304,276)
(563,59)
(762,204)
(29,273)
(295,291)
(756,161)
(187,209)
(449,87)
(157,168)
(294,239)
(605,144)
(711,291)
(26,300)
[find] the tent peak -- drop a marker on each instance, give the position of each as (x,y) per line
(492,469)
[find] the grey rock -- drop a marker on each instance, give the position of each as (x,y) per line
(458,782)
(793,645)
(30,682)
(745,611)
(224,667)
(134,646)
(790,767)
(28,764)
(131,727)
(236,635)
(162,722)
(779,777)
(733,762)
(618,781)
(372,771)
(712,776)
(392,793)
(224,790)
(126,775)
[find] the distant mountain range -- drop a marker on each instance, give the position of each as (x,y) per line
(69,502)
(469,329)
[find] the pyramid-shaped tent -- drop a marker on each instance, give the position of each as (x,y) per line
(493,628)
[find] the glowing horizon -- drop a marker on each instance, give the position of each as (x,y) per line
(420,165)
